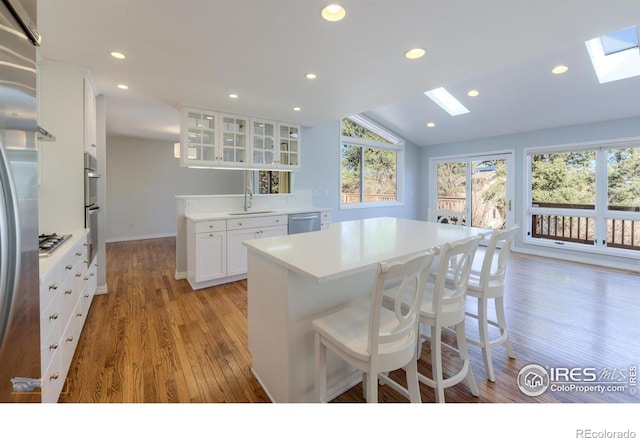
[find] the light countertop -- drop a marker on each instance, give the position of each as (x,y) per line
(47,263)
(355,246)
(196,217)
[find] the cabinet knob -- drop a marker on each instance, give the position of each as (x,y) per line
(53,346)
(70,339)
(54,316)
(54,376)
(53,287)
(79,314)
(68,292)
(78,274)
(86,296)
(78,254)
(68,267)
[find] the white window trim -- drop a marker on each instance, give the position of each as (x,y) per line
(396,144)
(599,213)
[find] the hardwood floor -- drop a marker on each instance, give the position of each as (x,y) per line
(152,339)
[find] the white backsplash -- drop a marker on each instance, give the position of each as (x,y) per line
(222,203)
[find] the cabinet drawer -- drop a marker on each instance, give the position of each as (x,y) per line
(206,226)
(50,320)
(52,380)
(48,348)
(256,222)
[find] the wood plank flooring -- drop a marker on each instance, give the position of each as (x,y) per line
(152,339)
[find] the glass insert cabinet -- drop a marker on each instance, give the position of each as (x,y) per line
(215,139)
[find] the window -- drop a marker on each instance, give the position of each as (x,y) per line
(372,161)
(270,182)
(586,197)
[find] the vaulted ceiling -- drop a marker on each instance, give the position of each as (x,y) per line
(197,52)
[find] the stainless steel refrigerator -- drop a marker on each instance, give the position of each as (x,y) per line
(19,271)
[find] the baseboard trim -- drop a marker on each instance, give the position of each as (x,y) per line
(143,237)
(577,259)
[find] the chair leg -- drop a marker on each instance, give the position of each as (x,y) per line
(483,328)
(464,355)
(502,324)
(413,386)
(371,387)
(321,371)
(436,363)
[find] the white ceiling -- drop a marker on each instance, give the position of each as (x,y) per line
(196,52)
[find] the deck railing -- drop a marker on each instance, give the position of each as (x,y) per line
(621,233)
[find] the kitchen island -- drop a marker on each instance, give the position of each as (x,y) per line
(296,278)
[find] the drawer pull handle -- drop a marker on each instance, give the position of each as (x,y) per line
(53,287)
(86,296)
(70,339)
(53,347)
(54,376)
(68,292)
(78,254)
(79,314)
(78,274)
(54,316)
(68,267)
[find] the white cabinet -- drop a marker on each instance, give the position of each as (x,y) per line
(325,220)
(206,252)
(90,136)
(288,146)
(239,230)
(264,140)
(234,143)
(216,140)
(198,137)
(64,303)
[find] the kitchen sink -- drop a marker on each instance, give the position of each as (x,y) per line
(243,213)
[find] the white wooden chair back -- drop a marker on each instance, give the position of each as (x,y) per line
(494,264)
(447,216)
(402,279)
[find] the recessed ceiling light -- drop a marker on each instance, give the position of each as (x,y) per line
(123,86)
(559,69)
(310,76)
(449,103)
(431,125)
(297,108)
(473,93)
(414,53)
(333,12)
(118,55)
(233,96)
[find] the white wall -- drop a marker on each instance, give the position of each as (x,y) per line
(143,179)
(600,131)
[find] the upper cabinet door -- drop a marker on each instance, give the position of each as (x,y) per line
(263,146)
(234,142)
(288,146)
(198,138)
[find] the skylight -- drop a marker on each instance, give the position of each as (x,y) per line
(446,101)
(616,55)
(620,40)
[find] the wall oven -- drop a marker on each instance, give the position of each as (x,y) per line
(91,207)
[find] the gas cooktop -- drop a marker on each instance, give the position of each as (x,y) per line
(50,242)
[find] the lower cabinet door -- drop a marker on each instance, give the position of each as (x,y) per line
(210,258)
(237,252)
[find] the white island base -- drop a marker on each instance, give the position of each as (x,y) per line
(280,334)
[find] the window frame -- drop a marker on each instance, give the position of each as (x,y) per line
(396,144)
(600,213)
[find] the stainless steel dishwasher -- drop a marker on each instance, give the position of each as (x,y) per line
(304,222)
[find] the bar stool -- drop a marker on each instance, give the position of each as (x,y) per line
(487,284)
(374,339)
(443,305)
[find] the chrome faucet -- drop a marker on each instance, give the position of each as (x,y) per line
(247,192)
